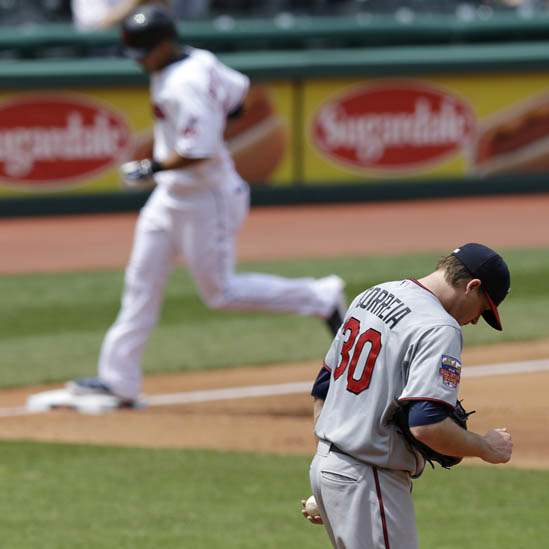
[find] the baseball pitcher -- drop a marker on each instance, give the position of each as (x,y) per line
(387,396)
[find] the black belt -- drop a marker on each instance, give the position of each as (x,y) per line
(336,450)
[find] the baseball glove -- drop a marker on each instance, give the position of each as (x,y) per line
(400,419)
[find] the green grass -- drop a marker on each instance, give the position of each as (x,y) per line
(66,496)
(62,497)
(52,325)
(483,507)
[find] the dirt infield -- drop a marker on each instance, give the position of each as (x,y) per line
(282,423)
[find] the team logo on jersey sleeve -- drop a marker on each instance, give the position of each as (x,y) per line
(158,112)
(450,371)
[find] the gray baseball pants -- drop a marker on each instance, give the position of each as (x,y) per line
(362,506)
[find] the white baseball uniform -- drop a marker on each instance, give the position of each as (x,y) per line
(396,342)
(196,213)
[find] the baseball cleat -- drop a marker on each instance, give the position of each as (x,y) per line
(94,386)
(335,319)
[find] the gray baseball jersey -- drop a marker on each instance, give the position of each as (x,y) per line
(396,342)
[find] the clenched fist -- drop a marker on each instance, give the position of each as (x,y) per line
(499,446)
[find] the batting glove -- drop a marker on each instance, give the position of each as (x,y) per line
(138,174)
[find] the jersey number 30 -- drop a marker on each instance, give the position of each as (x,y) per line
(370,336)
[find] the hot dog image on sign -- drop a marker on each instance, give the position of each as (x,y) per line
(514,139)
(392,126)
(55,141)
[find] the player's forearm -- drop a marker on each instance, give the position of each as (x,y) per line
(318,403)
(448,438)
(177,162)
(139,174)
(317,408)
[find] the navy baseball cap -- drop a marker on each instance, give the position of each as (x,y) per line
(488,266)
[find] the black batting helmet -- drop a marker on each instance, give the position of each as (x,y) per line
(145,28)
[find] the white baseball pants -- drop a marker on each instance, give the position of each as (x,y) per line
(201,229)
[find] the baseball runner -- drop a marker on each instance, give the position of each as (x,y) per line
(399,348)
(195,210)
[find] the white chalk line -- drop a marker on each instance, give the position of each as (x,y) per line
(16,411)
(229,393)
(188,397)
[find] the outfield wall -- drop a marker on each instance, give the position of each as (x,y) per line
(335,125)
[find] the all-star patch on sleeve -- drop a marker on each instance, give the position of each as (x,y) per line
(434,368)
(450,371)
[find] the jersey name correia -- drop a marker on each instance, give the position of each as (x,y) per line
(385,305)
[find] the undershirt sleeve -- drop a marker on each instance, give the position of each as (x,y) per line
(426,412)
(321,384)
